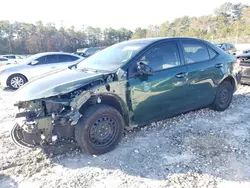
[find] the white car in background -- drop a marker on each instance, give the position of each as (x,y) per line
(13,58)
(4,61)
(16,75)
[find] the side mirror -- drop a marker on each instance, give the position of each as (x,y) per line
(144,69)
(34,62)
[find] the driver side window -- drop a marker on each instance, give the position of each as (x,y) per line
(41,60)
(162,56)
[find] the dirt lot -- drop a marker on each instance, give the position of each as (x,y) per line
(198,149)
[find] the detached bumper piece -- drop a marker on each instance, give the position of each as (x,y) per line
(25,139)
(40,132)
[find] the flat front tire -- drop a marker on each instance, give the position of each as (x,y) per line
(100,129)
(223,96)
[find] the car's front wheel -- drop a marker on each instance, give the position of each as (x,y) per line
(100,129)
(223,96)
(16,81)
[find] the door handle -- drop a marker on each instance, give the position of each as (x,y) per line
(53,67)
(181,75)
(219,65)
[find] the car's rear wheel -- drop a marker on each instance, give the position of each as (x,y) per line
(100,129)
(16,81)
(223,96)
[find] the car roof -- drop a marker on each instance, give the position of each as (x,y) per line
(152,40)
(56,53)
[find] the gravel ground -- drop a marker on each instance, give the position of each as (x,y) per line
(199,149)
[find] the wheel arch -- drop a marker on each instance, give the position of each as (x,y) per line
(231,80)
(108,99)
(7,81)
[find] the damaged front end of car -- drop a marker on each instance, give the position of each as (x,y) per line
(44,121)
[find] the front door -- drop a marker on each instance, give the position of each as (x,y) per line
(162,94)
(44,65)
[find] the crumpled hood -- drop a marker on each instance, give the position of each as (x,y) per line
(54,83)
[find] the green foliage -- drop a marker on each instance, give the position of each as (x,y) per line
(228,20)
(24,38)
(139,33)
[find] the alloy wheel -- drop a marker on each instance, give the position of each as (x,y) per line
(16,82)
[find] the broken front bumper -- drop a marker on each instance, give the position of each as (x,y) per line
(31,133)
(23,138)
(40,131)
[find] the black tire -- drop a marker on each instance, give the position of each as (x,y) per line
(100,129)
(223,96)
(21,78)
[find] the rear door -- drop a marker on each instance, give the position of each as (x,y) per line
(204,71)
(65,60)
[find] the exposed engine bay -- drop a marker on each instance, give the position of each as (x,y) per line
(44,121)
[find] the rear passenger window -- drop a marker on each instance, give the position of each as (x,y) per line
(195,51)
(51,59)
(73,58)
(63,58)
(212,53)
(66,58)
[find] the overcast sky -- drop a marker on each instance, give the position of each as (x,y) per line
(106,13)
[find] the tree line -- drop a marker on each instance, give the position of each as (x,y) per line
(25,38)
(228,20)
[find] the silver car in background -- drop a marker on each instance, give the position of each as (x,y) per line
(14,76)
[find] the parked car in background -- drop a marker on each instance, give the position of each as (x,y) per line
(245,65)
(17,75)
(128,84)
(228,47)
(87,52)
(4,61)
(246,51)
(14,58)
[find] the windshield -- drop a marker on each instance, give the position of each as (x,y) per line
(112,57)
